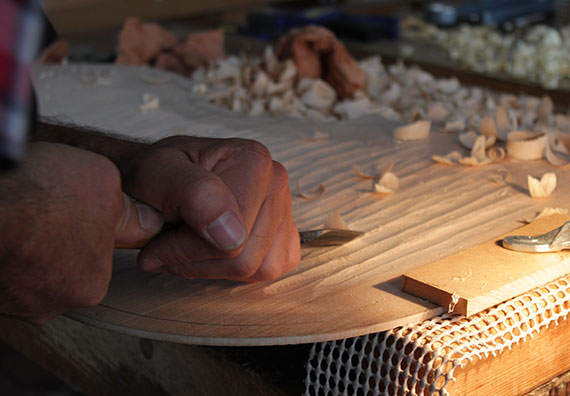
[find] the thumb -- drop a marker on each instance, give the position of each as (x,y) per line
(137,224)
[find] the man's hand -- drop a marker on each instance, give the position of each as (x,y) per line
(60,217)
(229,204)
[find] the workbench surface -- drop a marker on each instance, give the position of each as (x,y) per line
(335,292)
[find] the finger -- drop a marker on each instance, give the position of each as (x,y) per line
(259,177)
(247,263)
(202,200)
(176,246)
(137,223)
(283,256)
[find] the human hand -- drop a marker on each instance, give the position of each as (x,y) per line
(230,205)
(61,214)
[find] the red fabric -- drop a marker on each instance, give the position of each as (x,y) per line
(20,24)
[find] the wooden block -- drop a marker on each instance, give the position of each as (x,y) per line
(485,275)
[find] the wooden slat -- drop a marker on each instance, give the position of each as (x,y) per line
(335,292)
(487,274)
(86,15)
(518,370)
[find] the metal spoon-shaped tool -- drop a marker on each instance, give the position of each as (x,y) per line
(553,241)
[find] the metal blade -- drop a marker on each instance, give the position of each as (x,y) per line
(327,237)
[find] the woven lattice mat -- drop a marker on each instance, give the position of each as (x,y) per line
(421,359)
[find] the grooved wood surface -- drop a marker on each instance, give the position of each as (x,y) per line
(335,292)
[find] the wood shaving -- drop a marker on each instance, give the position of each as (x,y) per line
(437,113)
(318,136)
(363,175)
(545,109)
(453,303)
(448,159)
(502,122)
(469,138)
(320,190)
(548,211)
(453,126)
(388,183)
(336,222)
(554,159)
(149,102)
(153,78)
(488,127)
(526,145)
(496,153)
(417,131)
(542,188)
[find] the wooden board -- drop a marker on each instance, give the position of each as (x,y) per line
(487,274)
(98,362)
(335,292)
(517,370)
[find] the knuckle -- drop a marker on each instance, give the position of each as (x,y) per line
(243,268)
(268,272)
(199,194)
(258,153)
(280,177)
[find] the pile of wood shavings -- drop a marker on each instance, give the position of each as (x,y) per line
(538,54)
(266,86)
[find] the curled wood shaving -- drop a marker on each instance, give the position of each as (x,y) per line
(469,138)
(336,222)
(318,136)
(503,124)
(472,161)
(453,126)
(149,102)
(526,145)
(388,183)
(542,188)
(488,127)
(416,131)
(548,211)
(553,159)
(496,153)
(453,303)
(448,159)
(362,175)
(437,112)
(560,141)
(545,109)
(479,148)
(311,196)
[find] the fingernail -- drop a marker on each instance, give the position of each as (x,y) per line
(151,264)
(227,231)
(149,218)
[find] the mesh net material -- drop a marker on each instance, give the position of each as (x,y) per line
(420,359)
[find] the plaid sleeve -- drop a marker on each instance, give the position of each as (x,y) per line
(20,32)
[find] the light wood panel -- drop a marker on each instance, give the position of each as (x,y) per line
(335,292)
(488,274)
(518,370)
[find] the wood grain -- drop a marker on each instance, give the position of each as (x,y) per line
(488,274)
(335,292)
(518,370)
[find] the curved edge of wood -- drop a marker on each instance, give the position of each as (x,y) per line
(249,341)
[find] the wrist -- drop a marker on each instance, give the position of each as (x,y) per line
(116,148)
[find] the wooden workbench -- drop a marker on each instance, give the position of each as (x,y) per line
(335,292)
